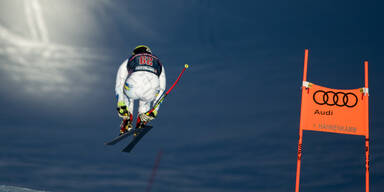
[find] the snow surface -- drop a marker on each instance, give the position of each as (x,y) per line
(4,188)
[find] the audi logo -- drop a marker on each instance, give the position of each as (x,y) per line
(331,98)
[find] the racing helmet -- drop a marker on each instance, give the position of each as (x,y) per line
(141,49)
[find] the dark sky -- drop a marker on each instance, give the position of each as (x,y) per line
(232,122)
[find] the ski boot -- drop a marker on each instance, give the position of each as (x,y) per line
(139,124)
(126,125)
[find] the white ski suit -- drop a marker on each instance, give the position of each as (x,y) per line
(141,77)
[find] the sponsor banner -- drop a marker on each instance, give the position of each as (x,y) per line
(334,110)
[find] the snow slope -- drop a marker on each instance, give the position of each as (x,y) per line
(4,188)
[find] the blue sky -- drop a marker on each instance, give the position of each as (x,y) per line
(231,124)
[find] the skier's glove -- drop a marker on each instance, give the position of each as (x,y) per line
(146,117)
(122,110)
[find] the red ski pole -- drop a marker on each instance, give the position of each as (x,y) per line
(169,90)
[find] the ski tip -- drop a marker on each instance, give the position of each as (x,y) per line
(109,143)
(186,66)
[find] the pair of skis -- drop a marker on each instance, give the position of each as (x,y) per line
(140,132)
(143,129)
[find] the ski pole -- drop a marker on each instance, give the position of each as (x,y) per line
(161,99)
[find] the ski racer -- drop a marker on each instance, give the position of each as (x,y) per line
(141,77)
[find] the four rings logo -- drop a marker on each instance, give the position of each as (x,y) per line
(331,98)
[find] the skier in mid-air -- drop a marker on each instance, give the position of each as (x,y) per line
(141,77)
